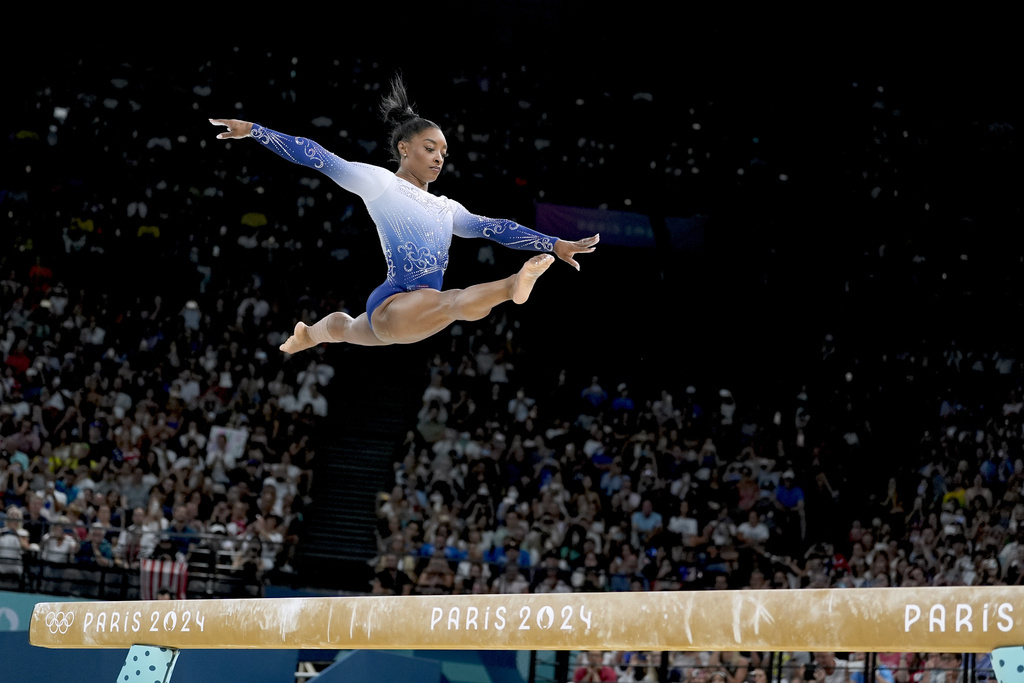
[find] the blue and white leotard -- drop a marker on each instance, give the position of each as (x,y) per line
(415,227)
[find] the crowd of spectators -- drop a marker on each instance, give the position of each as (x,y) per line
(138,432)
(143,404)
(712,487)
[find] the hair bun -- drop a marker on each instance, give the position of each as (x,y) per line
(395,108)
(401,116)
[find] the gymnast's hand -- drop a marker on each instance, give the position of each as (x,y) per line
(566,250)
(235,128)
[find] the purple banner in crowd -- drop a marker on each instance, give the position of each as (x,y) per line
(616,227)
(620,228)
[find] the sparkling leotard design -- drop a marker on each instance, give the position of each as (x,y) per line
(414,226)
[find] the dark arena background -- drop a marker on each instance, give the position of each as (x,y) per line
(798,343)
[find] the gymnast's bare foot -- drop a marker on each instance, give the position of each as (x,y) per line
(527,276)
(299,341)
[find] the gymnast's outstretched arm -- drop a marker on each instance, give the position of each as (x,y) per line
(515,236)
(362,179)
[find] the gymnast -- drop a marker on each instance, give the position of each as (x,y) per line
(415,229)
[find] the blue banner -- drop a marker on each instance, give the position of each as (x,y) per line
(615,227)
(620,228)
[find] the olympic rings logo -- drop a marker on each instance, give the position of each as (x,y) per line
(59,622)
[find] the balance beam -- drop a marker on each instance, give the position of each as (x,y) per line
(949,619)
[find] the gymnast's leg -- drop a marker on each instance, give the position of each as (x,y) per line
(336,327)
(410,317)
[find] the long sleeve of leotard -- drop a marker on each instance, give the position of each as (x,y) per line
(503,231)
(362,179)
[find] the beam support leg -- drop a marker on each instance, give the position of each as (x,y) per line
(1008,663)
(148,664)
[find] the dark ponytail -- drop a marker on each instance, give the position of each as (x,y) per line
(401,117)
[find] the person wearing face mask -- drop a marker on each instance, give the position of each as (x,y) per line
(415,230)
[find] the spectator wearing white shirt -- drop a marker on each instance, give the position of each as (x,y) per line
(436,391)
(753,533)
(283,486)
(683,525)
(13,542)
(220,460)
(309,395)
(60,544)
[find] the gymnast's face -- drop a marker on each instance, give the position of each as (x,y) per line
(424,154)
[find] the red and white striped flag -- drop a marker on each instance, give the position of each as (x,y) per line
(157,574)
